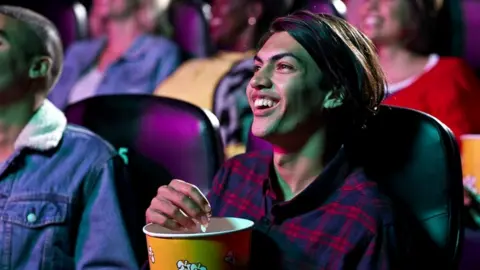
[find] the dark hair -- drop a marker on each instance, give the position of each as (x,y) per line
(420,25)
(48,40)
(346,57)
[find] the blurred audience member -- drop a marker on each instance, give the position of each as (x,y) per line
(96,23)
(125,60)
(235,28)
(444,87)
(154,17)
(151,15)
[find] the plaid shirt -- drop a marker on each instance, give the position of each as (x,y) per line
(340,221)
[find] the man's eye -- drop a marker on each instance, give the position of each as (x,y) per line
(256,68)
(284,67)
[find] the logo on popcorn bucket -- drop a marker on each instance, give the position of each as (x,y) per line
(186,265)
(151,255)
(230,258)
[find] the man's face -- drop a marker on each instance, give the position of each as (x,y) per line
(285,89)
(114,9)
(229,19)
(383,21)
(14,65)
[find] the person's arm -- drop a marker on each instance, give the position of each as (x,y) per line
(103,241)
(169,62)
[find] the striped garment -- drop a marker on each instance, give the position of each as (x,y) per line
(231,104)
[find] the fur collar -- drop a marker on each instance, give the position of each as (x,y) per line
(45,129)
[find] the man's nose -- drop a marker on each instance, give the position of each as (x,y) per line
(261,81)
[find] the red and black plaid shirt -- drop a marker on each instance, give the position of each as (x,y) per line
(340,221)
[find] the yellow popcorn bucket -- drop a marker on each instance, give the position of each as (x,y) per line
(471,161)
(224,245)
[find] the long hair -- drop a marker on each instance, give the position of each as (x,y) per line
(347,59)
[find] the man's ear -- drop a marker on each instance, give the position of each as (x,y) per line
(332,100)
(40,67)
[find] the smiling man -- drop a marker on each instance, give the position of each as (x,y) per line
(316,81)
(59,184)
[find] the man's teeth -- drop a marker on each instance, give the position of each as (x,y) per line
(264,102)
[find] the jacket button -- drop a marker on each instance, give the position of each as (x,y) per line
(31,218)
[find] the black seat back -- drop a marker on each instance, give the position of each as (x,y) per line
(415,159)
(191,28)
(159,138)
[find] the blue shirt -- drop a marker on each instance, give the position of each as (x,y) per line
(146,64)
(340,221)
(59,207)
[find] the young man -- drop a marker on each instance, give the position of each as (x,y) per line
(58,184)
(316,81)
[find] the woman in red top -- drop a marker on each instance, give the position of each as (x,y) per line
(444,87)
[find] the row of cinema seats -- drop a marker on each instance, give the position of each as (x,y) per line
(413,156)
(189,19)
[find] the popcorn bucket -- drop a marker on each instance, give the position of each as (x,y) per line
(224,245)
(471,162)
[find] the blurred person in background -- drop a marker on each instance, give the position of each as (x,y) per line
(235,27)
(60,185)
(123,59)
(96,23)
(445,87)
(152,16)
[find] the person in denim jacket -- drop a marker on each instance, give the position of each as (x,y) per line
(59,184)
(126,60)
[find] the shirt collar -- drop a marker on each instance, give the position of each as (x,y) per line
(45,129)
(317,193)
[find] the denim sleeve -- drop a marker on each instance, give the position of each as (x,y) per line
(103,241)
(169,63)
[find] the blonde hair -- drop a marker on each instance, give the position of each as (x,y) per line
(157,24)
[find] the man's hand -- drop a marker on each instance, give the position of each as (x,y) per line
(179,206)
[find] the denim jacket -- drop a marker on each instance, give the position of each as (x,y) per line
(146,63)
(58,202)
